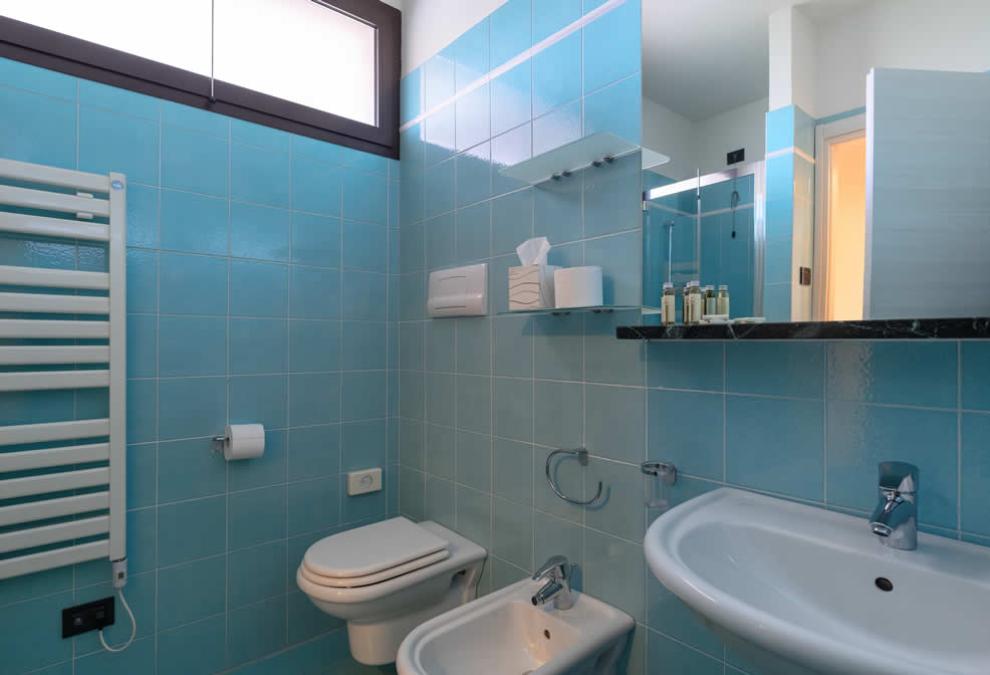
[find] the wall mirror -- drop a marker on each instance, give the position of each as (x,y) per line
(829,160)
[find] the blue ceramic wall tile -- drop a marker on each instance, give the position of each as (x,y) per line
(512,535)
(191,284)
(192,591)
(188,470)
(258,175)
(975,463)
(472,116)
(894,372)
(509,149)
(35,623)
(612,46)
(550,16)
(471,54)
(363,244)
(142,281)
(775,369)
(313,505)
(191,407)
(112,142)
(556,77)
(474,401)
(615,572)
(512,221)
(474,346)
(614,110)
(363,296)
(313,451)
(860,436)
(259,136)
(20,75)
(142,215)
(686,365)
(314,293)
(602,406)
(255,516)
(411,95)
(315,186)
(513,408)
(195,119)
(438,79)
(472,232)
(193,223)
(678,657)
(560,127)
(473,175)
(440,241)
(512,97)
(314,398)
(687,429)
(259,399)
(365,197)
(314,345)
(790,460)
(256,630)
(315,240)
(622,282)
(439,195)
(257,346)
(190,530)
(258,288)
(142,411)
(780,128)
(362,395)
(511,30)
(259,232)
(363,345)
(975,387)
(36,128)
(192,345)
(196,648)
(194,161)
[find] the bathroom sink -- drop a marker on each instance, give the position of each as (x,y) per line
(818,591)
(503,633)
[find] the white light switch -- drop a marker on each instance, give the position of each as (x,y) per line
(366,480)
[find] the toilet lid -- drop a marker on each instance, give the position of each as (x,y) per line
(372,549)
(371,579)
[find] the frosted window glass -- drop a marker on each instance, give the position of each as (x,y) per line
(176,32)
(300,51)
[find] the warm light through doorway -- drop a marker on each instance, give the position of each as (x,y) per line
(846,229)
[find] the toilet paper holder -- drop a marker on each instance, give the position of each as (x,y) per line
(240,441)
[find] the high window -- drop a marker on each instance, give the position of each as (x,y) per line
(324,68)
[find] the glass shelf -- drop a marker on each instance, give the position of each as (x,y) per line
(596,309)
(591,150)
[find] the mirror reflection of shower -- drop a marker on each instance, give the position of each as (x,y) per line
(709,228)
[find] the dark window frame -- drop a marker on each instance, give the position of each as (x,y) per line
(56,51)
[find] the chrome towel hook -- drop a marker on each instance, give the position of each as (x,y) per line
(582,456)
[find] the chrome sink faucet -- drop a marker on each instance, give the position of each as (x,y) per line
(895,520)
(557,572)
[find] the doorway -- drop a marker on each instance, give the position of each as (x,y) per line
(840,222)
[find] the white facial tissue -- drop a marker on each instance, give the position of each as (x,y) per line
(531,284)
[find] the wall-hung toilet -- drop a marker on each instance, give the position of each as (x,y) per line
(387,578)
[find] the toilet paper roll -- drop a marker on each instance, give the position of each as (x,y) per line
(244,441)
(578,286)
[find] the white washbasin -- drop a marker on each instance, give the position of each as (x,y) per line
(503,633)
(800,582)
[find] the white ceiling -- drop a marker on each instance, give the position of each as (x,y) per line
(703,57)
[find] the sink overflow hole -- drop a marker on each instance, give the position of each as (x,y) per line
(546,634)
(884,584)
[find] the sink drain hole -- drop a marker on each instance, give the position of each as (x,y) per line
(884,584)
(546,634)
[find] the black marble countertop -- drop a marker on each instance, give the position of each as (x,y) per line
(878,329)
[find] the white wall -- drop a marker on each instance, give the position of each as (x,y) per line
(916,34)
(430,25)
(703,144)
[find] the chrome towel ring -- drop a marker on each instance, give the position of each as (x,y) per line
(582,456)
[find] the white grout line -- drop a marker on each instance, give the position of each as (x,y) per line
(518,59)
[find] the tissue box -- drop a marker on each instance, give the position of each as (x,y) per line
(531,287)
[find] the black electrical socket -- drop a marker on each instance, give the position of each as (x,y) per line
(89,616)
(735,156)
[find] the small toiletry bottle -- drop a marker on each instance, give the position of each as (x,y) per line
(668,305)
(693,303)
(723,300)
(711,301)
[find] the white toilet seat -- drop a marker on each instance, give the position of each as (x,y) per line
(377,577)
(372,554)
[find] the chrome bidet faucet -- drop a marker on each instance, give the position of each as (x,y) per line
(557,572)
(895,520)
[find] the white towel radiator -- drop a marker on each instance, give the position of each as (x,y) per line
(62,482)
